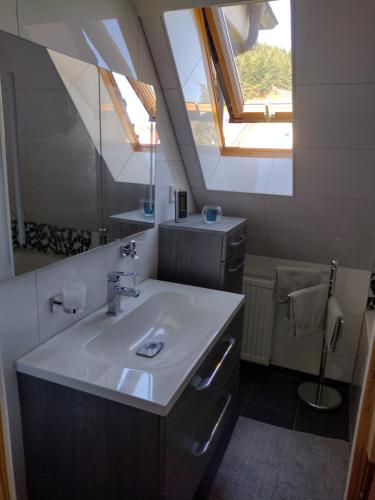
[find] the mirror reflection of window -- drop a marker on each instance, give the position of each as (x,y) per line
(64,163)
(129,136)
(139,116)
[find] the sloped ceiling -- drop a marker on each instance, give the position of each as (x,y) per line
(158,7)
(332,211)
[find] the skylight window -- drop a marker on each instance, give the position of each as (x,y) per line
(260,48)
(247,48)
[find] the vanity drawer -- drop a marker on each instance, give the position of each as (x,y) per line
(232,273)
(219,406)
(234,243)
(182,424)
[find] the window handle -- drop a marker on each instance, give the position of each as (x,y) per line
(268,115)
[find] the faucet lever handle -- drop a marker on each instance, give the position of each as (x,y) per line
(115,276)
(130,249)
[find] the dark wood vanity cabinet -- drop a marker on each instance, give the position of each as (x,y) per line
(79,446)
(200,254)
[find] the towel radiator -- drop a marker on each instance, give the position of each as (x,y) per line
(318,395)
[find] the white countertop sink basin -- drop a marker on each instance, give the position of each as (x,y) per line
(176,319)
(98,353)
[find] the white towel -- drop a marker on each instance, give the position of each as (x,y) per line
(307,311)
(333,325)
(289,279)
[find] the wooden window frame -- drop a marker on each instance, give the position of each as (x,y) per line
(206,24)
(228,79)
(144,93)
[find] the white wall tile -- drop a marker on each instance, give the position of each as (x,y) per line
(209,157)
(335,116)
(334,41)
(146,71)
(170,173)
(353,218)
(137,169)
(244,175)
(194,171)
(351,289)
(32,71)
(33,108)
(335,172)
(165,209)
(338,368)
(257,265)
(168,149)
(321,248)
(257,244)
(177,111)
(280,180)
(184,41)
(159,44)
(84,92)
(195,88)
(8,21)
(96,32)
(53,161)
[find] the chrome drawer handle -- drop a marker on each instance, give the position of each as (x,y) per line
(239,242)
(237,268)
(206,383)
(202,449)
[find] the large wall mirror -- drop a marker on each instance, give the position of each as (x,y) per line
(78,156)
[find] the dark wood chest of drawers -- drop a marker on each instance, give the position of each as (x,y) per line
(195,253)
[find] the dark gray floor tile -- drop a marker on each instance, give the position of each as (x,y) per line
(332,424)
(269,415)
(275,391)
(248,373)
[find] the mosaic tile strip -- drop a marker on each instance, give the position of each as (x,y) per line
(53,239)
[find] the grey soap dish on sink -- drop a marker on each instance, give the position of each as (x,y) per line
(150,349)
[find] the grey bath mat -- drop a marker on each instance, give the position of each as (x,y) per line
(265,462)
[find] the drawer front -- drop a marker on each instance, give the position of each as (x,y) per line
(234,243)
(218,409)
(189,257)
(181,425)
(232,273)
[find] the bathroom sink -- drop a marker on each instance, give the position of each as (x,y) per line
(176,319)
(98,354)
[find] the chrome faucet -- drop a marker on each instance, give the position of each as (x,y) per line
(115,291)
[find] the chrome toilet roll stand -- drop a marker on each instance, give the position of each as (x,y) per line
(317,395)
